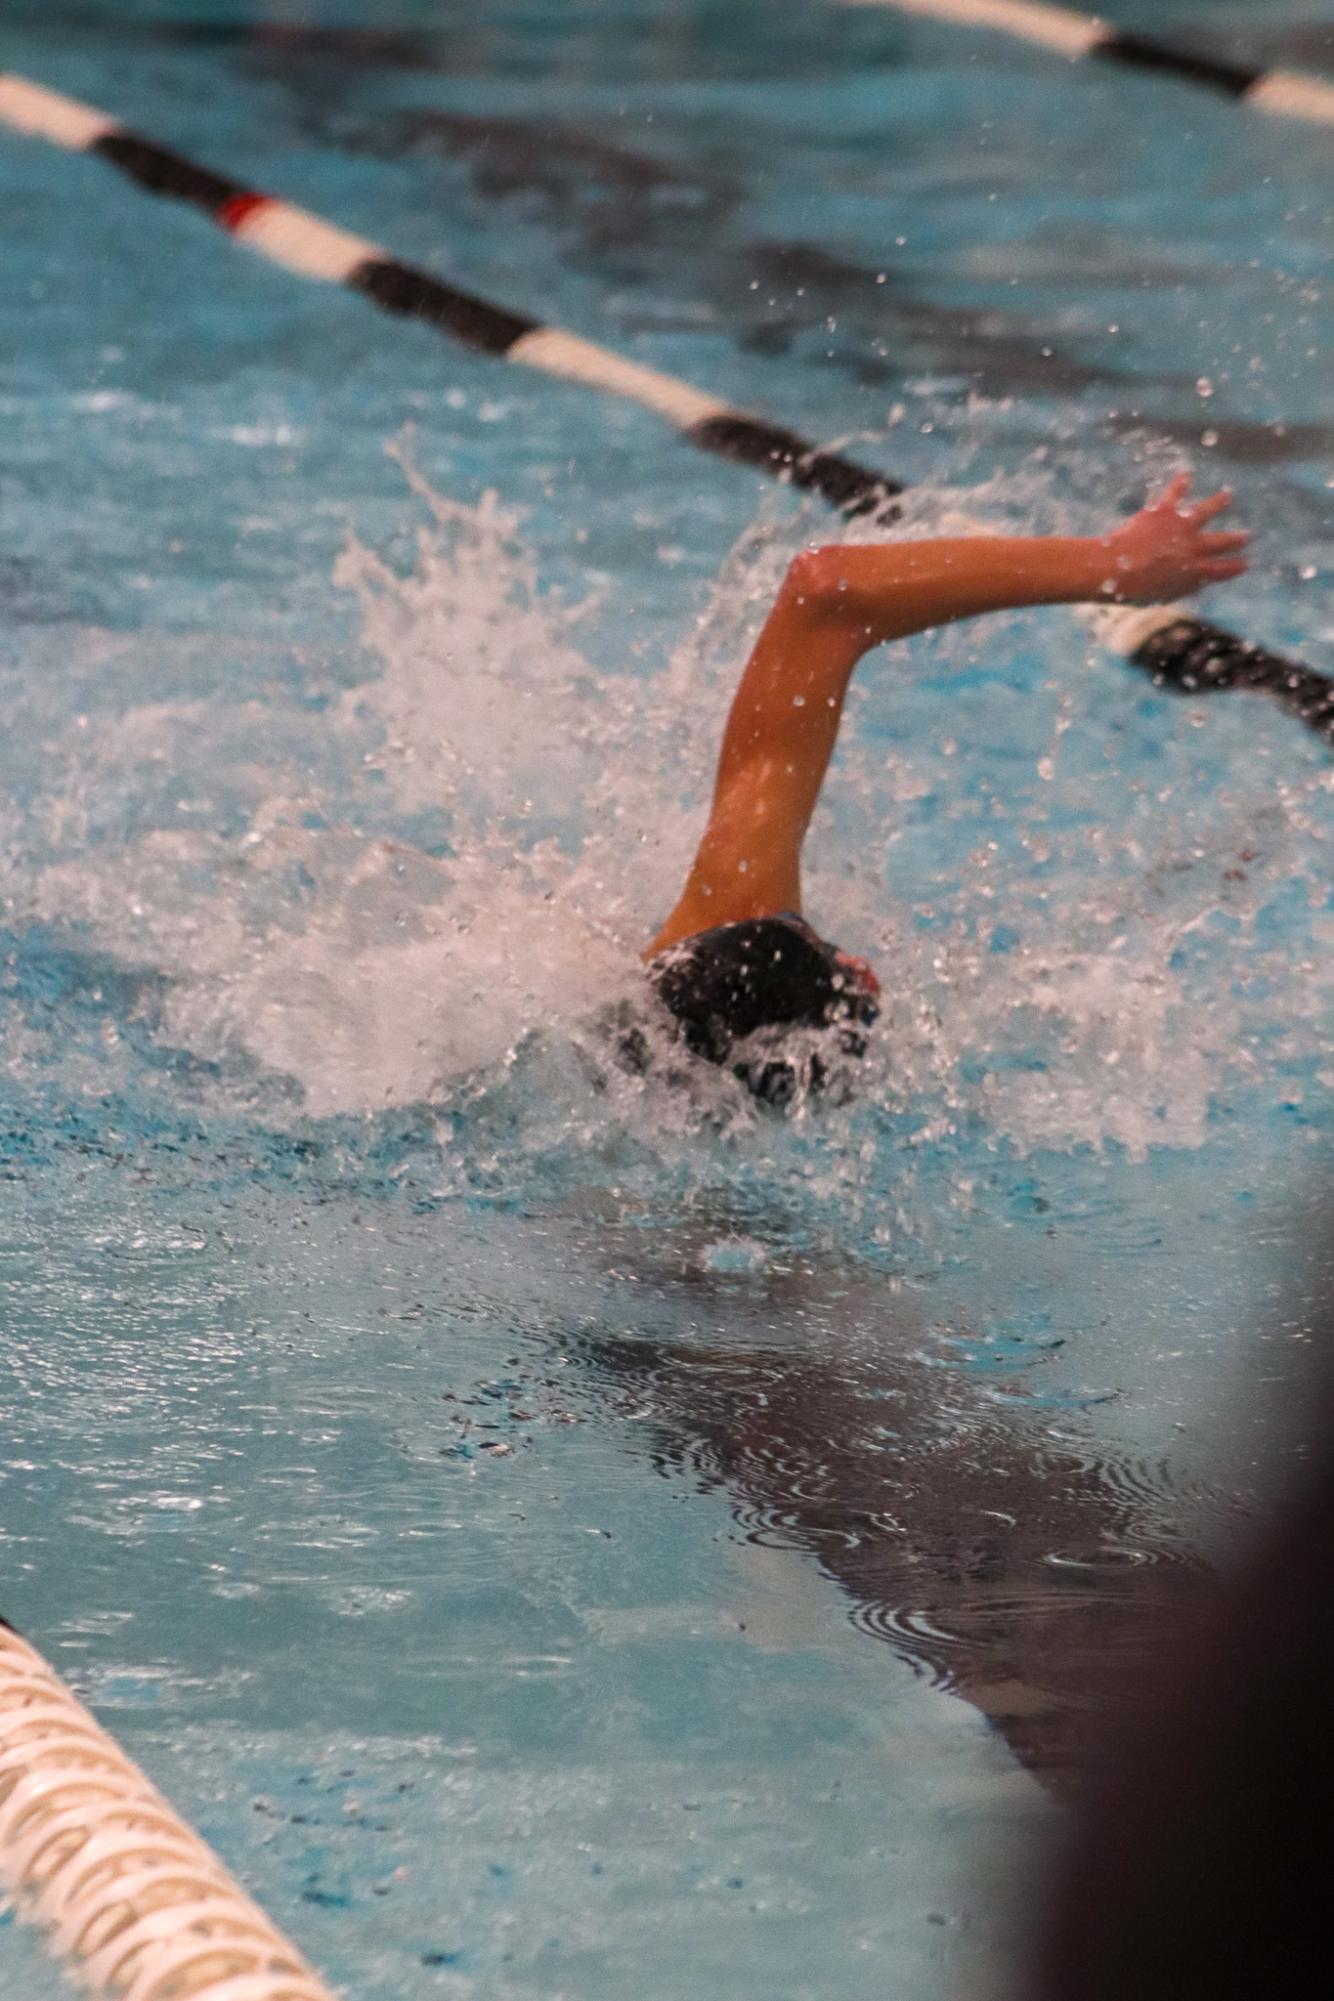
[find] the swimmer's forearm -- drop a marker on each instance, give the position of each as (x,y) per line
(889,590)
(838,602)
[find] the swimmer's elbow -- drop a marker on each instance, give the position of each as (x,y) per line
(828,589)
(816,580)
(825,598)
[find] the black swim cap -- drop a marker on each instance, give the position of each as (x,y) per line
(727,984)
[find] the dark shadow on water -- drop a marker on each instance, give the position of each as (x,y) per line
(1239,439)
(975,1532)
(625,211)
(637,219)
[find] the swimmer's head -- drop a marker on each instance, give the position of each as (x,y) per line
(742,994)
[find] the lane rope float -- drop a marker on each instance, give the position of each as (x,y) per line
(1284,93)
(1177,649)
(135,1905)
(306,244)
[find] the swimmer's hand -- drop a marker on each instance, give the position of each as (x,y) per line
(1163,552)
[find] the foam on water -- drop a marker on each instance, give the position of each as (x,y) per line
(1091,959)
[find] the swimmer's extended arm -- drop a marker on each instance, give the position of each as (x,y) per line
(837,603)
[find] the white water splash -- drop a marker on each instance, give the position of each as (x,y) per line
(564,802)
(369,972)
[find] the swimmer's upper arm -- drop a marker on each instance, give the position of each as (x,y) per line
(835,604)
(776,748)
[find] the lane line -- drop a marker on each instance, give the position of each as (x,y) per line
(1284,93)
(1058,28)
(1179,650)
(133,1902)
(44,114)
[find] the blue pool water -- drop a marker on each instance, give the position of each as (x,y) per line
(557,1536)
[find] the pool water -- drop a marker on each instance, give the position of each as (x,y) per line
(555,1533)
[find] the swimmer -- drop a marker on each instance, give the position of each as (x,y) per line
(736,958)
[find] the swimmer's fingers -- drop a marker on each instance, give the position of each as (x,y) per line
(1215,569)
(1205,510)
(1227,538)
(1174,493)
